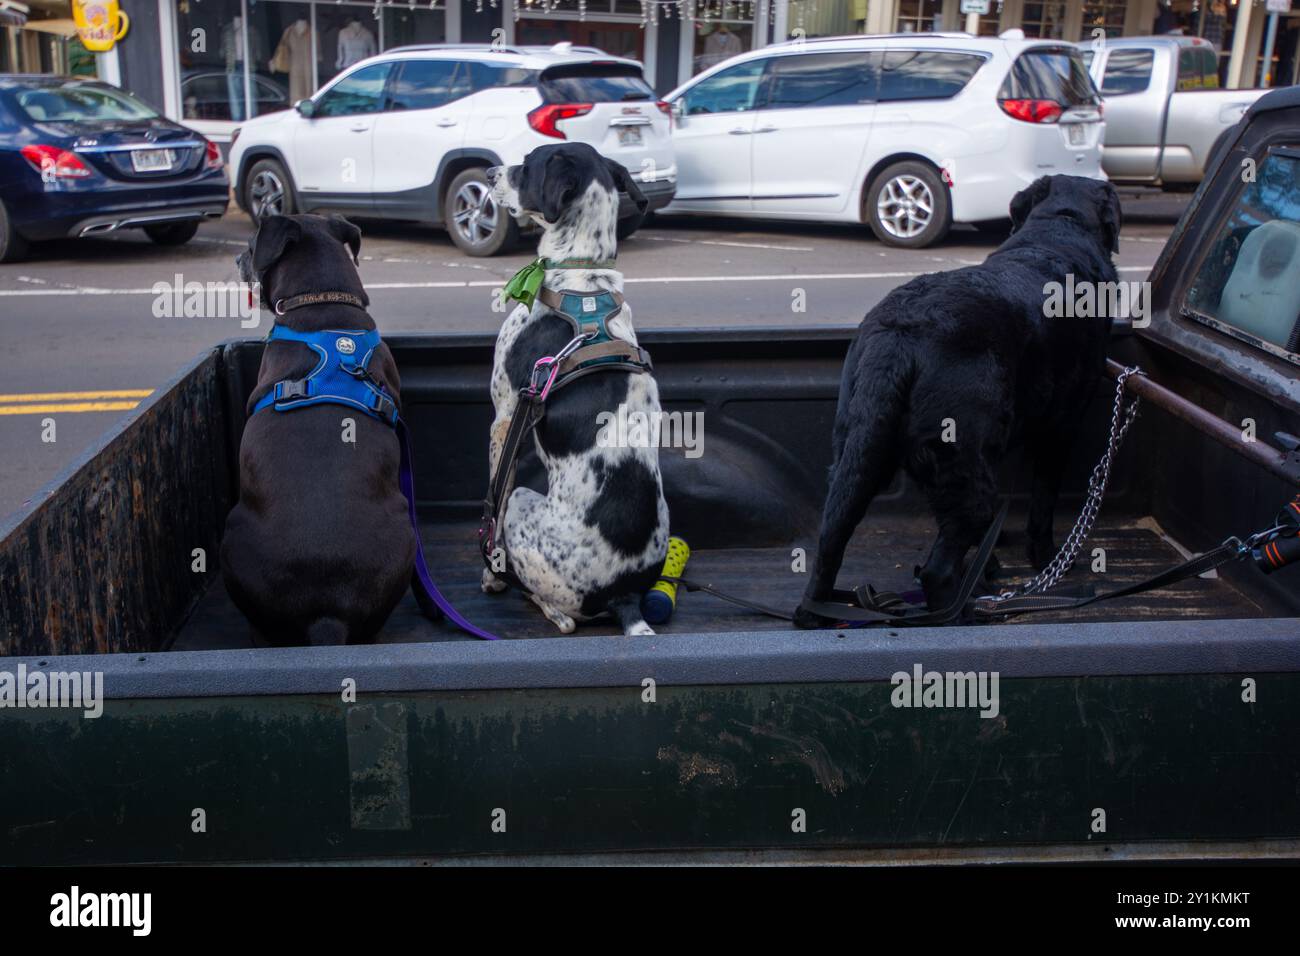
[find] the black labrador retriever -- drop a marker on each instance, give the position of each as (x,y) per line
(319,549)
(953,368)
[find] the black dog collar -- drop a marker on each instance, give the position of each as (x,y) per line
(317,298)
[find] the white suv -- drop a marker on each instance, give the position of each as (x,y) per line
(408,135)
(907,133)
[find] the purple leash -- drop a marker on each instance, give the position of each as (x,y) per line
(406,478)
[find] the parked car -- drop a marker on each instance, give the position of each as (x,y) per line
(907,133)
(1164,107)
(218,95)
(79,157)
(408,135)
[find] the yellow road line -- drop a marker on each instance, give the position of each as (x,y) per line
(73,396)
(38,409)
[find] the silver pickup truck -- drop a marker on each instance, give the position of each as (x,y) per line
(1164,109)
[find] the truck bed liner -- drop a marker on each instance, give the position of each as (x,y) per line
(883,552)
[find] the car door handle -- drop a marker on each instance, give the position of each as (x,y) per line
(766,129)
(739,131)
(360,127)
(446,122)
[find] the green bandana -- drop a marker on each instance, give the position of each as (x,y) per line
(523,285)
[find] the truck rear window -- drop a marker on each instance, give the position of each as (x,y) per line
(1055,74)
(1246,284)
(594,83)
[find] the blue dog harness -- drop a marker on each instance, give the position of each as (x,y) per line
(341,377)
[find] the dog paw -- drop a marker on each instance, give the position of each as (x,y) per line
(561,620)
(639,629)
(492,584)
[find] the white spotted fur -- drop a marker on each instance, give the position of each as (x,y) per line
(554,552)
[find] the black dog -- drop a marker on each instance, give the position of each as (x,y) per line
(976,347)
(319,548)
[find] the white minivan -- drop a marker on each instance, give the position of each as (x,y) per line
(908,133)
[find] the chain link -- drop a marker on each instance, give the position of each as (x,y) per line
(1121,418)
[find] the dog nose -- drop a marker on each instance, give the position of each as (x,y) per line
(492,172)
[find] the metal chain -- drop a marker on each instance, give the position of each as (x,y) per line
(1121,418)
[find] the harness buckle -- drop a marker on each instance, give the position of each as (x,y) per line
(291,389)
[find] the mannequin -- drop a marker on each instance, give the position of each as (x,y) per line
(354,45)
(293,55)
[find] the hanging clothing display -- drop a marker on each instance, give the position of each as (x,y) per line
(355,44)
(293,55)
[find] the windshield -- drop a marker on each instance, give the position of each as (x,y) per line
(77,102)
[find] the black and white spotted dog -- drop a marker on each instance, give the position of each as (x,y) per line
(595,542)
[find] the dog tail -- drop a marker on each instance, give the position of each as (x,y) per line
(627,610)
(326,631)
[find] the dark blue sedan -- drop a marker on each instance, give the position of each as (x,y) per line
(79,158)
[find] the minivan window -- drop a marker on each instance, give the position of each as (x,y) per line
(1055,74)
(428,84)
(823,79)
(925,74)
(595,83)
(1127,71)
(1246,283)
(359,92)
(733,90)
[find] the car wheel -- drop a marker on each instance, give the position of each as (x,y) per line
(267,191)
(631,224)
(908,206)
(12,246)
(172,233)
(476,223)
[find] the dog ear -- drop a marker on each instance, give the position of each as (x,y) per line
(346,233)
(1025,200)
(274,236)
(558,188)
(624,181)
(1111,216)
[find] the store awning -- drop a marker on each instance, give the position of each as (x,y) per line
(64,28)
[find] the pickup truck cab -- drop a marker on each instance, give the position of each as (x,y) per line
(1163,106)
(727,736)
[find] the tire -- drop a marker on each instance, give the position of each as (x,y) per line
(626,227)
(13,246)
(268,190)
(472,218)
(172,233)
(908,206)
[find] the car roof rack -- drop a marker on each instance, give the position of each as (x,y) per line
(514,49)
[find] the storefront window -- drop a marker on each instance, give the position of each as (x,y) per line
(1104,15)
(243,58)
(825,18)
(718,40)
(1044,20)
(920,16)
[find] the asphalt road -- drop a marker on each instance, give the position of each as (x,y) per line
(78,316)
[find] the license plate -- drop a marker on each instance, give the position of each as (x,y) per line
(1076,134)
(152,160)
(629,136)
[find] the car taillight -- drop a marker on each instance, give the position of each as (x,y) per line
(54,161)
(1032,111)
(212,155)
(544,118)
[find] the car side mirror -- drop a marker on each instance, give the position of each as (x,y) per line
(305,107)
(679,108)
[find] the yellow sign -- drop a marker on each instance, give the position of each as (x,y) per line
(100,23)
